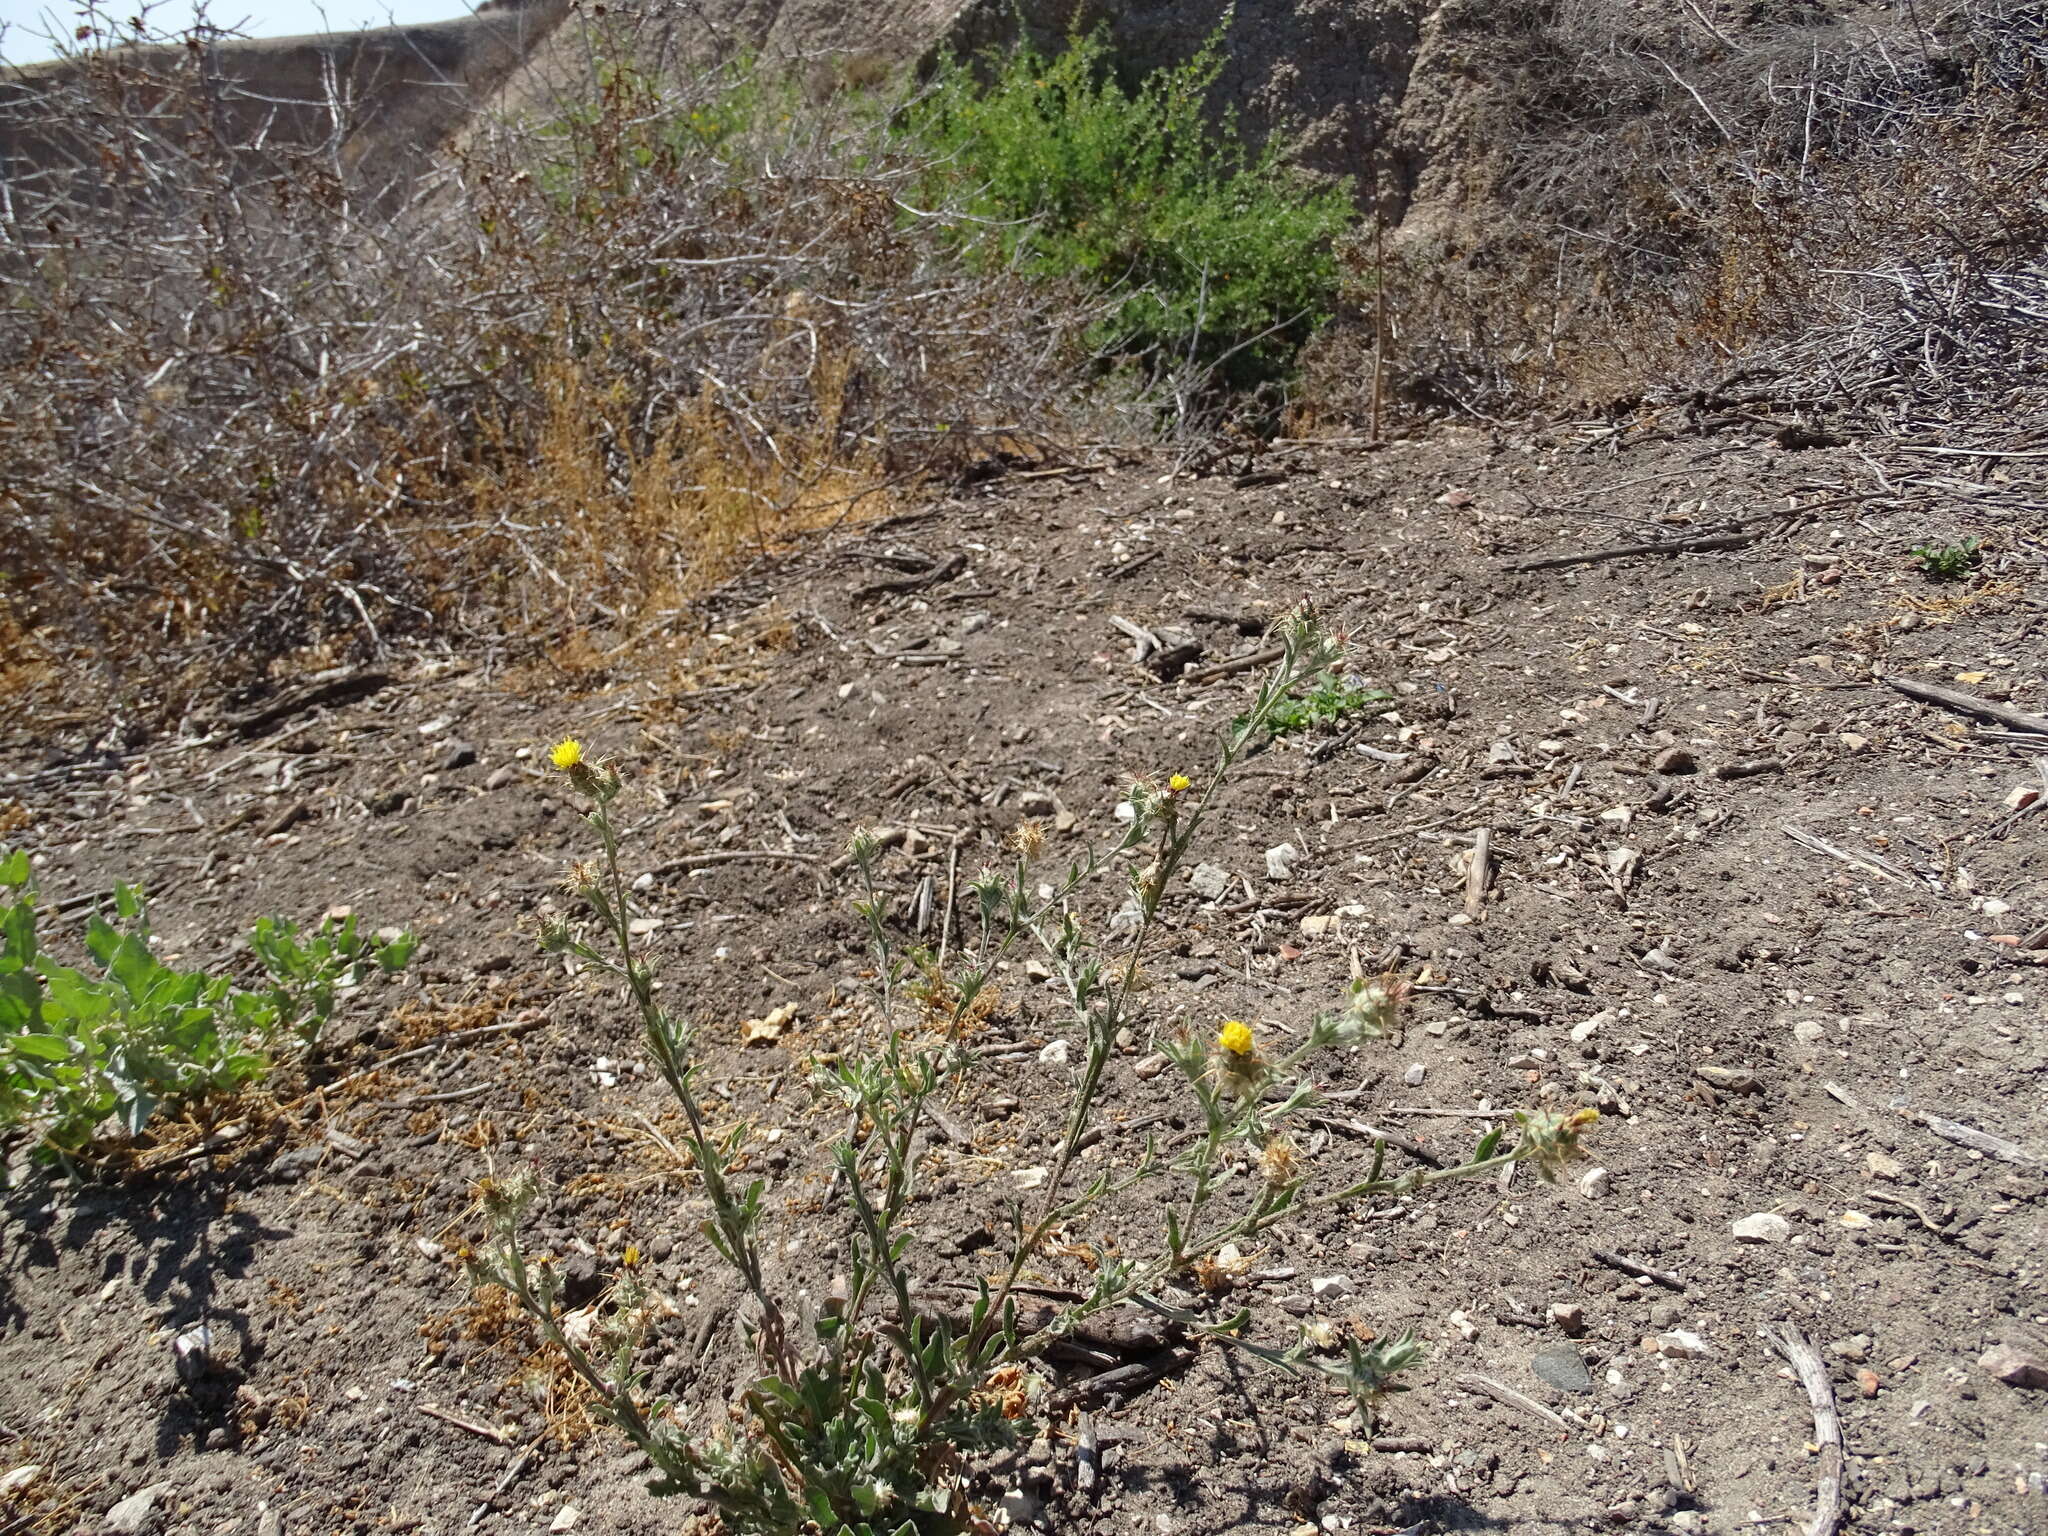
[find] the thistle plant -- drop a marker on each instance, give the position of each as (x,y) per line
(865,1410)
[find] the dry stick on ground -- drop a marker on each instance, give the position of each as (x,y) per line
(945,570)
(1124,1382)
(1500,1392)
(1864,861)
(434,1412)
(1812,1371)
(1408,1144)
(1236,664)
(1973,453)
(1629,1266)
(1978,1141)
(511,1475)
(1748,534)
(1970,704)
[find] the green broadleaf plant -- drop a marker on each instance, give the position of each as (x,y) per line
(83,1048)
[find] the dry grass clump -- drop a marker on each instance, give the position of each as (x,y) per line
(263,409)
(1730,209)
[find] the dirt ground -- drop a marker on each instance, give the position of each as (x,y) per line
(1764,909)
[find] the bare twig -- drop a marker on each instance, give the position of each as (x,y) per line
(1500,1392)
(1812,1372)
(1970,704)
(1641,1271)
(1754,529)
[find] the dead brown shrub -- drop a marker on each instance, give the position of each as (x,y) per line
(263,412)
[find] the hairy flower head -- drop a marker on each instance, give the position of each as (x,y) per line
(567,754)
(1235,1037)
(1277,1161)
(1179,784)
(1550,1140)
(1027,839)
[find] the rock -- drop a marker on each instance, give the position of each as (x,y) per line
(1729,1079)
(1467,1329)
(1675,760)
(295,1164)
(1809,1032)
(1054,1054)
(270,1523)
(1884,1166)
(565,1518)
(1856,1348)
(1416,1072)
(192,1352)
(1583,1030)
(457,754)
(134,1513)
(1331,1287)
(1145,1068)
(1764,1227)
(2014,1366)
(1665,1313)
(1316,927)
(219,1438)
(1280,861)
(1680,1345)
(1569,1316)
(1210,882)
(1594,1183)
(19,1477)
(500,777)
(1019,1507)
(1559,1366)
(1867,1382)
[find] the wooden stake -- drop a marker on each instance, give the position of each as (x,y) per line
(1475,877)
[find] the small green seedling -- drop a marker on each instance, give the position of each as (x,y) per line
(1948,562)
(1329,701)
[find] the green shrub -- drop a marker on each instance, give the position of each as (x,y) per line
(1214,256)
(77,1048)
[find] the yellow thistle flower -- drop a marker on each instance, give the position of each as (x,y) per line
(631,1256)
(567,754)
(1235,1037)
(1179,784)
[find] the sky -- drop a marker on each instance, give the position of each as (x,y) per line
(27,22)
